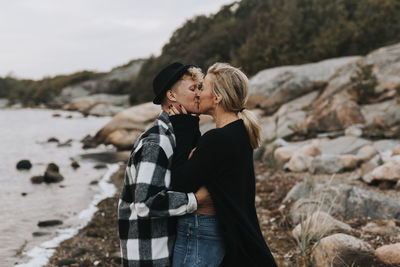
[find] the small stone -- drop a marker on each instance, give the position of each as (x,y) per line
(23,194)
(389,254)
(38,234)
(94,182)
(75,164)
(37,179)
(100,166)
(24,164)
(52,140)
(56,115)
(49,223)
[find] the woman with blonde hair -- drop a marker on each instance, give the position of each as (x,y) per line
(225,232)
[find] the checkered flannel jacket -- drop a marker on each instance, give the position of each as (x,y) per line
(146,207)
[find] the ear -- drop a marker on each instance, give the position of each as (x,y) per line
(171,95)
(217,98)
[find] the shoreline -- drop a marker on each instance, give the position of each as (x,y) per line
(41,254)
(97,243)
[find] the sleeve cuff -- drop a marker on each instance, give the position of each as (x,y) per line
(192,204)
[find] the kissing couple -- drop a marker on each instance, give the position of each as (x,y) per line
(189,200)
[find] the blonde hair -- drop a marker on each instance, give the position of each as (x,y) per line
(232,84)
(194,73)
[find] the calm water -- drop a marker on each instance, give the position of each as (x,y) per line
(23,135)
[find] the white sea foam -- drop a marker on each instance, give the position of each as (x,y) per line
(40,255)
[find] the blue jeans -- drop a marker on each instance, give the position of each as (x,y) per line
(198,242)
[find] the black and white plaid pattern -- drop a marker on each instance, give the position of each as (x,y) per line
(146,207)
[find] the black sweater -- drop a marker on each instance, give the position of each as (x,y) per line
(223,162)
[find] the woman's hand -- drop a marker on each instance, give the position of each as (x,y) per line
(172,110)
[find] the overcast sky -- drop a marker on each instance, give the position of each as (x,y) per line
(47,37)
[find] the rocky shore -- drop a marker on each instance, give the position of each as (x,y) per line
(328,175)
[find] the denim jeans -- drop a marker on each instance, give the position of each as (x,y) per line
(198,242)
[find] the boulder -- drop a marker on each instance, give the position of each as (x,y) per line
(341,200)
(123,139)
(268,128)
(84,104)
(366,153)
(24,165)
(299,162)
(396,150)
(389,171)
(389,254)
(318,225)
(134,118)
(342,250)
(284,154)
(103,109)
(271,88)
(327,164)
(386,66)
(384,114)
(350,162)
(342,145)
(385,148)
(300,103)
(291,123)
(368,167)
(382,227)
(334,114)
(353,130)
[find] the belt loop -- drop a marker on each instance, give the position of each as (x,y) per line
(196,221)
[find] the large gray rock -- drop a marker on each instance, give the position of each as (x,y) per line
(101,84)
(84,104)
(270,88)
(334,114)
(291,123)
(390,171)
(341,200)
(327,164)
(384,114)
(318,225)
(342,145)
(342,250)
(268,128)
(103,109)
(133,119)
(386,66)
(385,148)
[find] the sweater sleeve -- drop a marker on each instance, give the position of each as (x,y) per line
(152,197)
(187,134)
(206,162)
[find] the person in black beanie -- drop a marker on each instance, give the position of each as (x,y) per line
(223,162)
(147,206)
